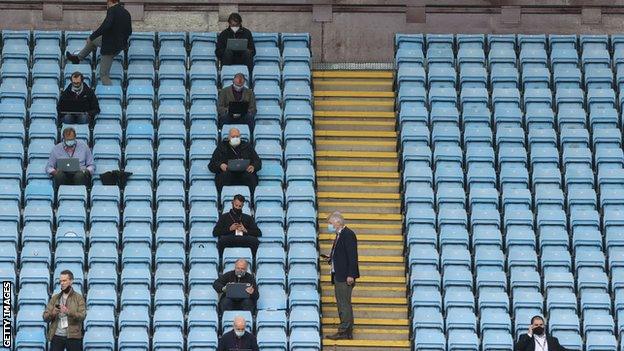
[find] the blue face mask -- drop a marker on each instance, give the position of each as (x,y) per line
(70,143)
(331,228)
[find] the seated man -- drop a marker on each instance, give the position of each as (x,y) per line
(236,229)
(235,30)
(67,149)
(238,275)
(235,149)
(78,102)
(238,338)
(237,93)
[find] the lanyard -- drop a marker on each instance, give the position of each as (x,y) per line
(73,149)
(542,346)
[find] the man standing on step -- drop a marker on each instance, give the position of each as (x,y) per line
(343,259)
(112,37)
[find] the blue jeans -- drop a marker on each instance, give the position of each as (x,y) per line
(75,118)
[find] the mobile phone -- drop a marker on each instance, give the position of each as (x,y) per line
(57,306)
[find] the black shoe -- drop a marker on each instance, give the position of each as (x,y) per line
(72,58)
(341,336)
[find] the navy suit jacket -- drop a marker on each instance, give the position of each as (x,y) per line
(345,257)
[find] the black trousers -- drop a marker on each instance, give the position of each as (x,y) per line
(238,241)
(227,304)
(244,119)
(238,58)
(236,178)
(78,178)
(61,343)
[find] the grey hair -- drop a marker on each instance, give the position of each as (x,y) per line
(239,318)
(336,217)
(242,260)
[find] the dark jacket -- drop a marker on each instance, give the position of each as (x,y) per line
(230,341)
(227,219)
(224,152)
(226,95)
(242,33)
(85,102)
(526,343)
(345,256)
(76,314)
(115,30)
(230,277)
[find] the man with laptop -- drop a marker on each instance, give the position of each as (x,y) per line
(237,229)
(235,45)
(70,161)
(235,162)
(237,103)
(78,103)
(238,339)
(238,289)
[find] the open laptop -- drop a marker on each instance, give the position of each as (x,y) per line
(68,165)
(238,107)
(237,44)
(238,165)
(237,290)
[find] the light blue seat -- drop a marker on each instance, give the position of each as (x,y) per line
(266,55)
(172,94)
(167,339)
(429,339)
(305,339)
(171,52)
(136,93)
(292,71)
(133,338)
(271,274)
(203,74)
(302,316)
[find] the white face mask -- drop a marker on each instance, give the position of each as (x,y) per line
(238,87)
(235,141)
(234,29)
(239,333)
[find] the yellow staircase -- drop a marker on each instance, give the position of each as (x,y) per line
(357,174)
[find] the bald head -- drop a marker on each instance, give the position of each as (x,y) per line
(239,323)
(234,133)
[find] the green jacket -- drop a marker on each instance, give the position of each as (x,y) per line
(76,314)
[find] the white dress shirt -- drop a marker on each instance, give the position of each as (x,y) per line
(540,342)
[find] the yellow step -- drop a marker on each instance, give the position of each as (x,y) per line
(354,143)
(355,163)
(373,330)
(353,74)
(369,321)
(356,226)
(354,134)
(355,114)
(357,154)
(358,308)
(368,246)
(358,102)
(377,344)
(389,124)
(371,279)
(353,93)
(381,259)
(366,216)
(368,289)
(355,183)
(345,82)
(346,195)
(370,300)
(354,174)
(345,204)
(367,237)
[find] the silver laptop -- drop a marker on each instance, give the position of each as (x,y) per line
(68,165)
(237,44)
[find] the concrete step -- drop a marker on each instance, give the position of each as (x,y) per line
(368,228)
(357,185)
(354,144)
(354,124)
(350,217)
(365,332)
(382,250)
(368,344)
(367,176)
(387,294)
(357,134)
(375,237)
(354,94)
(361,206)
(347,104)
(353,84)
(347,74)
(356,166)
(361,115)
(369,321)
(357,195)
(377,270)
(368,311)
